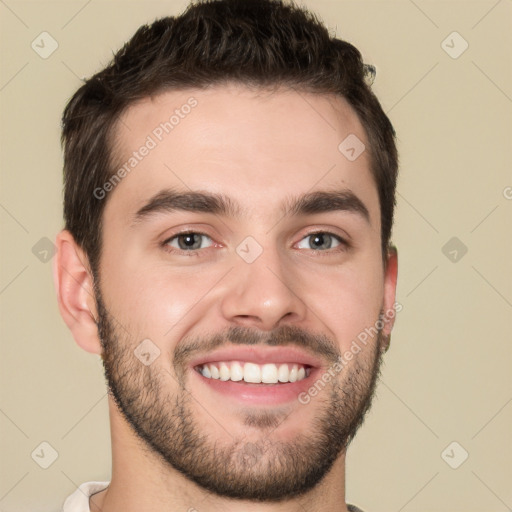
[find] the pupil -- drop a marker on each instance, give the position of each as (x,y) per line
(188,240)
(319,240)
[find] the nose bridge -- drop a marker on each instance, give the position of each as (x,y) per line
(260,292)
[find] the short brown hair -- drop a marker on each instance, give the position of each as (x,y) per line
(254,42)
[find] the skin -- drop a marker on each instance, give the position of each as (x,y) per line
(259,148)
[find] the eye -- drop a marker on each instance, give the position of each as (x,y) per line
(321,241)
(190,241)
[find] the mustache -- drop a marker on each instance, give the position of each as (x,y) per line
(316,344)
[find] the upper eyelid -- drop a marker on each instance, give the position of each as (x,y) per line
(186,232)
(183,233)
(343,241)
(343,238)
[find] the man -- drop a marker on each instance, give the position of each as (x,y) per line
(229,195)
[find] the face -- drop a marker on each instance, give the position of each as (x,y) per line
(241,260)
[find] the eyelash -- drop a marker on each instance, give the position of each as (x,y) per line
(344,245)
(172,250)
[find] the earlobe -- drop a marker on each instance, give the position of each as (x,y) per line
(75,293)
(390,281)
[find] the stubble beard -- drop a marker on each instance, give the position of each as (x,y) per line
(262,470)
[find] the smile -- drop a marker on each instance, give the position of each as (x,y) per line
(268,373)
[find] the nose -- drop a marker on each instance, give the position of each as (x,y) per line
(262,294)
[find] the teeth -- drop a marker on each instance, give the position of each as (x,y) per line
(206,371)
(269,374)
(224,371)
(283,373)
(214,371)
(237,372)
(253,373)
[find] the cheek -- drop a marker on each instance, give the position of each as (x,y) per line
(158,301)
(347,300)
(147,296)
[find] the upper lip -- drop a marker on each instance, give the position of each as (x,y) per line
(259,355)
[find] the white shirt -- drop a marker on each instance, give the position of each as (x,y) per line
(79,500)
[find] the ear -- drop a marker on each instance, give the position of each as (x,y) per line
(74,286)
(390,280)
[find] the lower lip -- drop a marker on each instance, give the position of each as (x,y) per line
(260,394)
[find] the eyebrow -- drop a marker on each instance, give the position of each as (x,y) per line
(168,201)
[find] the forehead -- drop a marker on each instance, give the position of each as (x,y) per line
(256,146)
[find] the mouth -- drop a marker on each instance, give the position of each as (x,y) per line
(258,375)
(252,373)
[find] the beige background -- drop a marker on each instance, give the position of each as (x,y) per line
(447,375)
